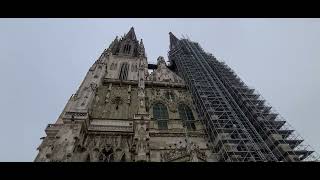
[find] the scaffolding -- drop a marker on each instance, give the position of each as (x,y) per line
(239,123)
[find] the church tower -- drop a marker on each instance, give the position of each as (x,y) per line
(121,113)
(194,109)
(240,125)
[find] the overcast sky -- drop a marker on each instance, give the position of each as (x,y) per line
(43,61)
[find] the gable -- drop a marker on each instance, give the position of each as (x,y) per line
(163,73)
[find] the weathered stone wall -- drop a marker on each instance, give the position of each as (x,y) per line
(112,116)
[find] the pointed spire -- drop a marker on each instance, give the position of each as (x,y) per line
(141,44)
(141,48)
(113,42)
(131,34)
(173,37)
(173,40)
(112,46)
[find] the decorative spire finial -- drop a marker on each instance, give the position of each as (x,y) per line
(141,49)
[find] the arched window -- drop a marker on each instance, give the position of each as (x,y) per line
(160,114)
(186,116)
(126,49)
(124,71)
(129,49)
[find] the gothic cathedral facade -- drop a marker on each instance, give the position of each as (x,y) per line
(123,113)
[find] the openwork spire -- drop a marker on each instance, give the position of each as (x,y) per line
(131,34)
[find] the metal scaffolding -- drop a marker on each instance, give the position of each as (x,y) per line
(239,124)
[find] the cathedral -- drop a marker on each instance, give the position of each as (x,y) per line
(121,113)
(186,110)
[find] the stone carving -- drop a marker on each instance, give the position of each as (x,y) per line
(140,146)
(94,87)
(107,154)
(118,155)
(172,106)
(107,148)
(75,114)
(173,134)
(75,97)
(111,128)
(117,100)
(187,152)
(96,98)
(107,97)
(129,99)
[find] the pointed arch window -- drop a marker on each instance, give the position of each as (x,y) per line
(127,48)
(186,116)
(124,71)
(160,114)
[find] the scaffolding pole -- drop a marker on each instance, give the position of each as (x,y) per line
(238,123)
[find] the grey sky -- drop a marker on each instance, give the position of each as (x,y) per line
(43,61)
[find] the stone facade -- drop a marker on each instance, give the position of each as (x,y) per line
(111,117)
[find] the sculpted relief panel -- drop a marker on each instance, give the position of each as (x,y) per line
(187,152)
(108,148)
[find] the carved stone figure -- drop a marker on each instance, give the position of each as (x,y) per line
(189,150)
